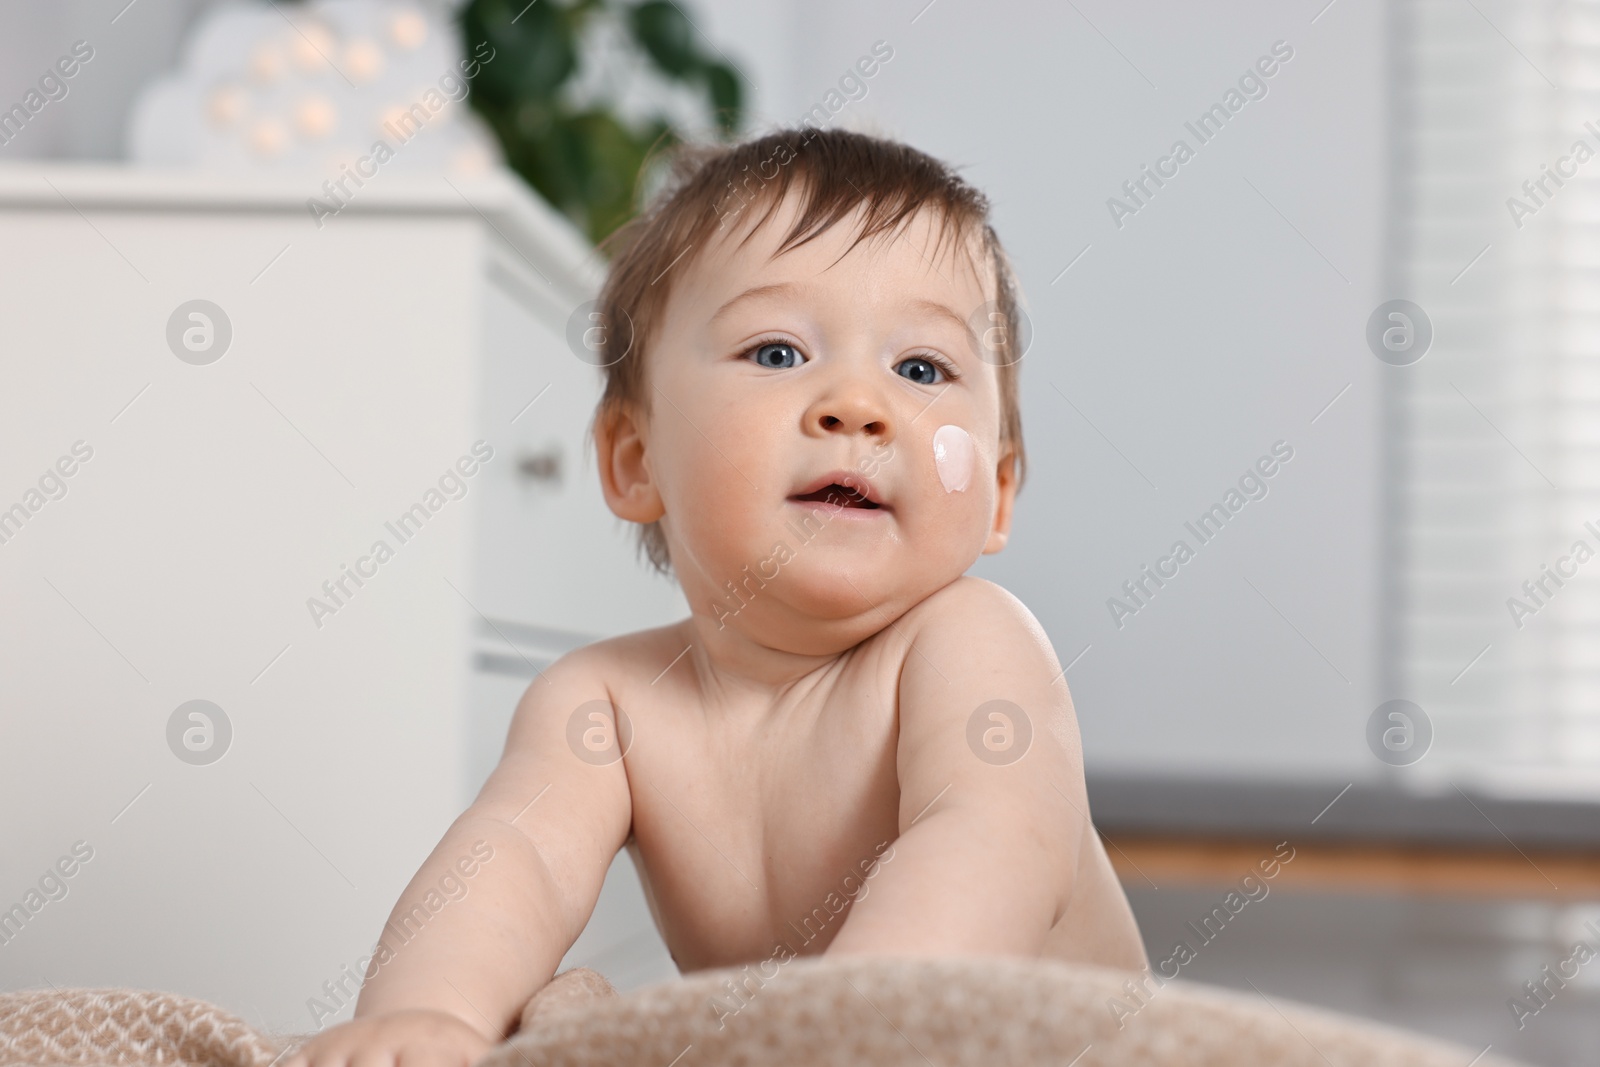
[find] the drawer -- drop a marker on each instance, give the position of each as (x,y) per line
(549,553)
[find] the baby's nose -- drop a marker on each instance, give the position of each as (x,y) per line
(849,411)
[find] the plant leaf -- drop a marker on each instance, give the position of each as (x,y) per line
(534,47)
(666,35)
(727,96)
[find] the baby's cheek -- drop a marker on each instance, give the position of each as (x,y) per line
(705,494)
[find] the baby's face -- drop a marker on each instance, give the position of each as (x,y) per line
(822,431)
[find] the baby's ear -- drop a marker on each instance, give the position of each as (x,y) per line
(1005,498)
(625,480)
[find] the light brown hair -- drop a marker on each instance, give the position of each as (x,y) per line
(834,172)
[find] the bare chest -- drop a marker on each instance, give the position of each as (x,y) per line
(747,839)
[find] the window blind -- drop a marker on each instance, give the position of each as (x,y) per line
(1492,437)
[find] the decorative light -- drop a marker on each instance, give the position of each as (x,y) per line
(268,137)
(391,119)
(225,106)
(363,60)
(266,63)
(473,159)
(313,47)
(315,118)
(408,30)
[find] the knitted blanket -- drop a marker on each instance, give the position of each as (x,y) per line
(817,1012)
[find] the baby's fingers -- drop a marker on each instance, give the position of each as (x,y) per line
(319,1052)
(433,1056)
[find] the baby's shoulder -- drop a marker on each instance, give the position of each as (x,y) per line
(974,630)
(972,611)
(615,671)
(619,660)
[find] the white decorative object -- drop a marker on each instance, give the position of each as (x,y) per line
(317,88)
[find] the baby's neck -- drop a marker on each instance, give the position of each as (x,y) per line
(770,659)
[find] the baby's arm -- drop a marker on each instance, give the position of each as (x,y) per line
(554,822)
(991,833)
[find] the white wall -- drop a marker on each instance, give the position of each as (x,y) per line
(131,45)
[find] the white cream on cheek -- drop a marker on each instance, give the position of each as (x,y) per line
(953,456)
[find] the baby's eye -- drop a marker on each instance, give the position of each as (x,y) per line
(922,371)
(777,355)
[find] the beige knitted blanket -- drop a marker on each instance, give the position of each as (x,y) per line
(815,1012)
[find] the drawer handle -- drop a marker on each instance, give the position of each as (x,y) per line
(541,467)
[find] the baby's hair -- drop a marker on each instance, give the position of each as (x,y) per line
(835,172)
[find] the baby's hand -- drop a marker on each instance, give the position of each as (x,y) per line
(423,1038)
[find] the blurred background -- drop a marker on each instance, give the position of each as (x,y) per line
(244,344)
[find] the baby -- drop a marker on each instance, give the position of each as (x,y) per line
(811,412)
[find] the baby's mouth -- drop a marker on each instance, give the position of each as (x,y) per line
(839,495)
(842,489)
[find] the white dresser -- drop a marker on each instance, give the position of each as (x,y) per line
(217,539)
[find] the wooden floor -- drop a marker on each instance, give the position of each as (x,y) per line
(1504,873)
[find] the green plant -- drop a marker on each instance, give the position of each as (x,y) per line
(584,159)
